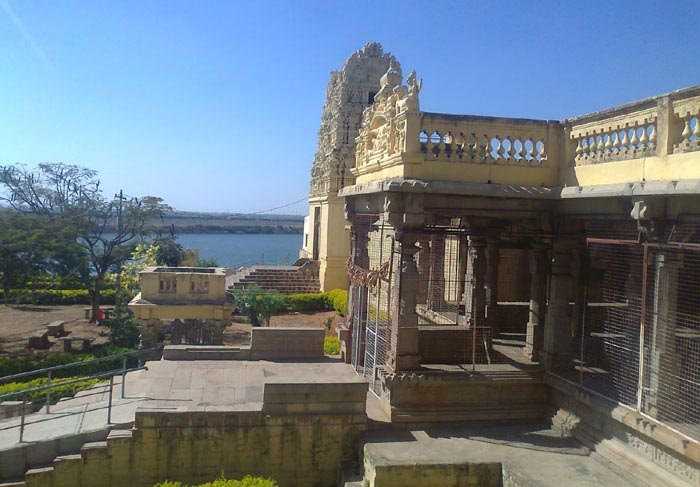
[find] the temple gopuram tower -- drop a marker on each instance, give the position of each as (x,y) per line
(350,90)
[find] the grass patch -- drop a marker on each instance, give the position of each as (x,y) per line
(247,481)
(331,345)
(61,390)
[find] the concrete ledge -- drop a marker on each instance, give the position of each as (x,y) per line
(286,343)
(446,396)
(205,352)
(320,398)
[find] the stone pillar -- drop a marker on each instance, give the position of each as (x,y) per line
(404,320)
(436,288)
(462,272)
(492,285)
(423,269)
(663,359)
(475,283)
(357,305)
(538,291)
(556,332)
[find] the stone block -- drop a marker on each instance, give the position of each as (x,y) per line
(11,409)
(39,477)
(56,329)
(96,464)
(67,470)
(286,343)
(39,340)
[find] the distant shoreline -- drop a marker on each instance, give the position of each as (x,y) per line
(236,231)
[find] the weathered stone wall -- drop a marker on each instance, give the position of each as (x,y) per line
(430,396)
(302,436)
(641,447)
(451,344)
(286,343)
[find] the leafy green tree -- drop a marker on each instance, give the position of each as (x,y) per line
(169,253)
(32,245)
(259,305)
(124,328)
(144,255)
(107,229)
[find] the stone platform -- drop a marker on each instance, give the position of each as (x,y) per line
(454,393)
(510,456)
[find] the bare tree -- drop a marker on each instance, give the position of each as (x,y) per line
(108,229)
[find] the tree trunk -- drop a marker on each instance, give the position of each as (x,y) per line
(95,298)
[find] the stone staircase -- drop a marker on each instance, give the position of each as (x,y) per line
(98,463)
(301,278)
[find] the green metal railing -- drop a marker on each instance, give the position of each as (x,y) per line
(50,372)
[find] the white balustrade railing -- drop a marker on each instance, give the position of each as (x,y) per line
(689,139)
(616,143)
(482,148)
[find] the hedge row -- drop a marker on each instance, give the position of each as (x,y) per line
(39,397)
(336,299)
(247,481)
(55,296)
(26,363)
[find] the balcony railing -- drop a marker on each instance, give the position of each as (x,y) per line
(488,140)
(656,126)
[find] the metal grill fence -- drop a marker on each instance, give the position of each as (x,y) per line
(371,303)
(637,341)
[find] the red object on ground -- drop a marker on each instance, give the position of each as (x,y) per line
(99,315)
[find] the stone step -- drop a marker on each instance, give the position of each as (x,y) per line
(14,484)
(39,477)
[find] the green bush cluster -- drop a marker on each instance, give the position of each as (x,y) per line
(331,345)
(27,363)
(61,389)
(306,302)
(56,296)
(48,281)
(247,481)
(338,299)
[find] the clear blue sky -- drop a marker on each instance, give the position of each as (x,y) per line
(215,105)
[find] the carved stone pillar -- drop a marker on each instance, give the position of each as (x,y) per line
(475,283)
(423,269)
(436,288)
(557,337)
(357,302)
(538,291)
(662,319)
(404,326)
(491,283)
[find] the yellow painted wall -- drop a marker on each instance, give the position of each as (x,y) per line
(673,167)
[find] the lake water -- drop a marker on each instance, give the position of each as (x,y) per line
(238,250)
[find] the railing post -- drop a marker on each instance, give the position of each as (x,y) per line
(48,394)
(21,424)
(123,375)
(109,404)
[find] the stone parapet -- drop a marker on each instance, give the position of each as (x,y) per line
(430,396)
(286,343)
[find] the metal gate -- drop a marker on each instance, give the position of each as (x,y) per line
(371,299)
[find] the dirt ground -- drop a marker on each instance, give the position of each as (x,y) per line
(17,322)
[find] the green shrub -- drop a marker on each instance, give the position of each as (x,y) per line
(65,390)
(56,296)
(331,345)
(27,363)
(339,300)
(306,302)
(247,481)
